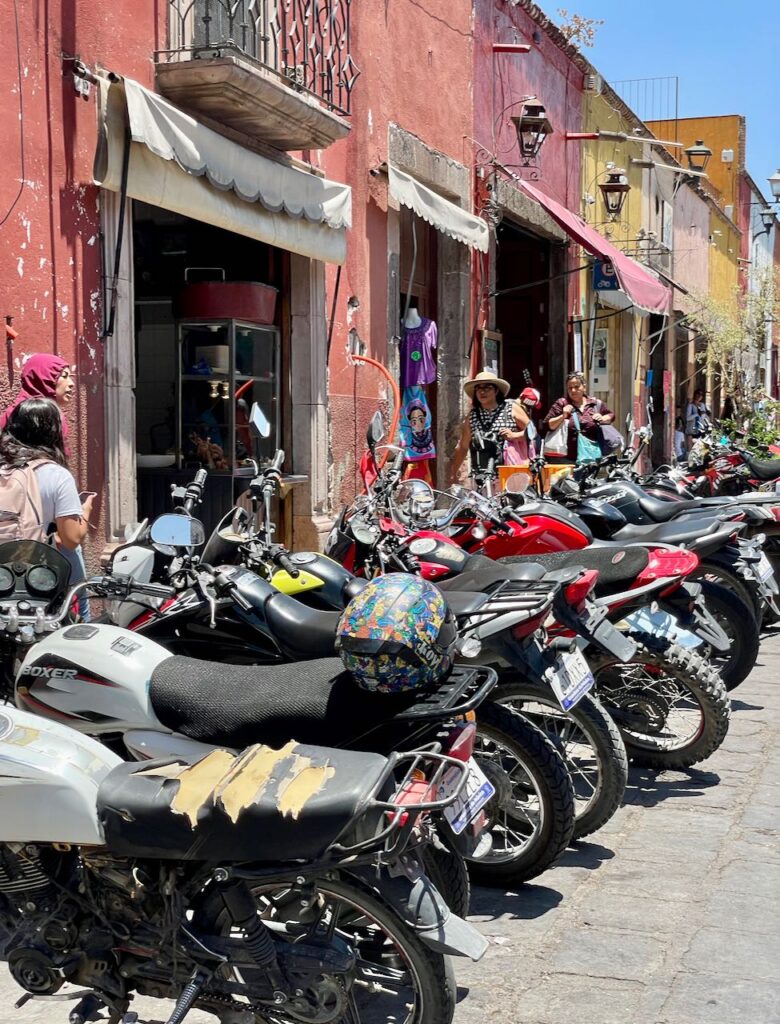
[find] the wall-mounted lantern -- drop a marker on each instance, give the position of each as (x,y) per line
(774,184)
(614,191)
(532,129)
(698,156)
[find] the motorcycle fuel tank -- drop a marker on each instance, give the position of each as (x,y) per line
(93,677)
(49,778)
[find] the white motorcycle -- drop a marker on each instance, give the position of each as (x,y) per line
(267,885)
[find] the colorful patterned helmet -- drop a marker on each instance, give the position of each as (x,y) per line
(398,634)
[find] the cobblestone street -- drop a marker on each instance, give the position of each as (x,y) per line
(669,915)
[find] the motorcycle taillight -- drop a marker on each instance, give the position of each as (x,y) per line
(577,592)
(663,563)
(462,741)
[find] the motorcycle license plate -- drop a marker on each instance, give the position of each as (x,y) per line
(473,797)
(571,679)
(764,568)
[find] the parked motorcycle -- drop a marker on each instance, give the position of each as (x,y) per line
(530,819)
(271,883)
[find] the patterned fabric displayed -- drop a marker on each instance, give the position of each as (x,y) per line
(417,347)
(389,636)
(416,432)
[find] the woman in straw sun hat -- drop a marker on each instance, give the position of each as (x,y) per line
(490,413)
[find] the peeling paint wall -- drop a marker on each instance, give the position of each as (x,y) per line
(50,252)
(415,61)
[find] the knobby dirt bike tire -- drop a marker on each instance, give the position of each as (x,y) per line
(595,723)
(551,782)
(694,675)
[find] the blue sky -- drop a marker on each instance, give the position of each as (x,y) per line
(727,57)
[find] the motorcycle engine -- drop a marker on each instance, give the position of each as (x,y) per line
(37,921)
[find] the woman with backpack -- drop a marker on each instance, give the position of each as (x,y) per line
(36,487)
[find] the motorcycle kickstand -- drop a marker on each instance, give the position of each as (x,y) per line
(188,996)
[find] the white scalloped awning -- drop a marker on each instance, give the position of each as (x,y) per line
(181,165)
(444,215)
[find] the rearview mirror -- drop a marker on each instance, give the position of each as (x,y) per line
(376,430)
(177,531)
(258,422)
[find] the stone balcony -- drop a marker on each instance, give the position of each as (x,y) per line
(277,71)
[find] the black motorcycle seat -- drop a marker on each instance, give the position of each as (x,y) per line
(464,603)
(238,705)
(481,572)
(260,805)
(765,469)
(661,511)
(615,565)
(685,532)
(301,632)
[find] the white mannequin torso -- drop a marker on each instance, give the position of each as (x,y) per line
(413,318)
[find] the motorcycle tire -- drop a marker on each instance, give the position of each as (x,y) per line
(642,710)
(736,620)
(587,739)
(448,871)
(433,974)
(715,573)
(534,808)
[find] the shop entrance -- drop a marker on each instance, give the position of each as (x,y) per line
(523,316)
(208,343)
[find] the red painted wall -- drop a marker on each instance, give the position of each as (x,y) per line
(502,80)
(49,238)
(415,61)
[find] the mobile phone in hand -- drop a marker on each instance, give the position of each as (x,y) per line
(83,495)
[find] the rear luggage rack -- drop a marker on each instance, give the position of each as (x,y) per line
(518,598)
(415,794)
(464,689)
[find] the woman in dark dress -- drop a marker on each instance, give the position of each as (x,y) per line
(590,412)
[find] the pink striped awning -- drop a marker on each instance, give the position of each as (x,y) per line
(643,289)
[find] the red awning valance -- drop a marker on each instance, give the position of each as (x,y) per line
(645,291)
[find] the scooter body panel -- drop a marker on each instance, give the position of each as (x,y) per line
(49,778)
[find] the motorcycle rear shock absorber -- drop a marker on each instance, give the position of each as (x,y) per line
(241,906)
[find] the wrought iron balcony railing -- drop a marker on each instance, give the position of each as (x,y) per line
(306,41)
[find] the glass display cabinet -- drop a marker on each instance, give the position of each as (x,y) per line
(223,368)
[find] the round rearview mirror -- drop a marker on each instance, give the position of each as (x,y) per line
(258,422)
(175,531)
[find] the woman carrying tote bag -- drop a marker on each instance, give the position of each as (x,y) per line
(577,416)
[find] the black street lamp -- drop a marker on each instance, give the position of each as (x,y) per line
(614,191)
(532,129)
(698,156)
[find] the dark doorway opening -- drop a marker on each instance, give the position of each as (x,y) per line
(523,316)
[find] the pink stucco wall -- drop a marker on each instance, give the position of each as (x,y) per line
(415,62)
(501,80)
(691,246)
(50,251)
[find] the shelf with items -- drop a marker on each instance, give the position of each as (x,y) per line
(237,360)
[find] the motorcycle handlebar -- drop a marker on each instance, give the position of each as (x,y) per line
(284,562)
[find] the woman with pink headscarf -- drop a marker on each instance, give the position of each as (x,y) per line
(49,376)
(44,376)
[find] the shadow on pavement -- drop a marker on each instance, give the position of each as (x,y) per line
(585,855)
(650,786)
(529,902)
(741,705)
